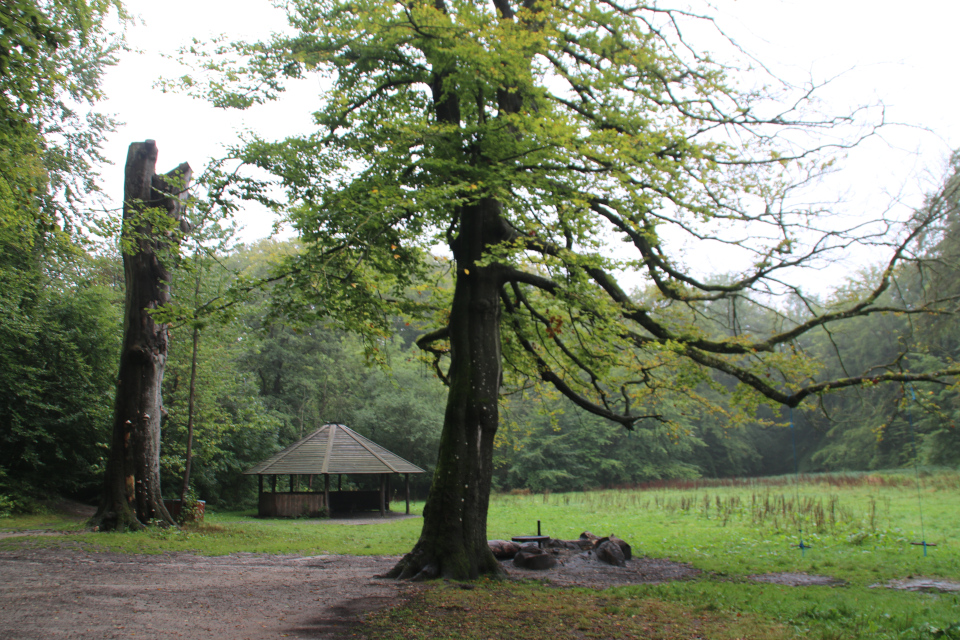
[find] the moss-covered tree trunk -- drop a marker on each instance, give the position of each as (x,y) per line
(453,543)
(151,220)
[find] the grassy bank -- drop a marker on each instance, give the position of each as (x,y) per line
(859,526)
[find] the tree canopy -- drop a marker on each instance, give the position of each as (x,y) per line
(58,325)
(556,150)
(53,55)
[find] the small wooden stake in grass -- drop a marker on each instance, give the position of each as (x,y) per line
(916,471)
(796,473)
(925,544)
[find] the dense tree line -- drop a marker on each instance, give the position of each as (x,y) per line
(264,382)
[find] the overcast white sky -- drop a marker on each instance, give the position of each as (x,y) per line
(896,53)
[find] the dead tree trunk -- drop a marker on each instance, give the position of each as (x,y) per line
(152,211)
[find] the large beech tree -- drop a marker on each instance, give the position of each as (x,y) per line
(557,150)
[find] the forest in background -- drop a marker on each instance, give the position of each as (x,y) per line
(266,379)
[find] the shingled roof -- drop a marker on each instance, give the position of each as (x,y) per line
(333,449)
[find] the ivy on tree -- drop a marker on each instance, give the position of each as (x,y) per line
(553,149)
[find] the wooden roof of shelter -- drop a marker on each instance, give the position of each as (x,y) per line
(333,449)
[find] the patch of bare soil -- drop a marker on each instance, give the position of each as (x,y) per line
(19,533)
(74,509)
(582,569)
(921,584)
(66,594)
(797,579)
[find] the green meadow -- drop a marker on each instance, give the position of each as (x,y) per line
(859,528)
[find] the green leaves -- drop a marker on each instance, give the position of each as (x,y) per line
(603,139)
(59,340)
(58,325)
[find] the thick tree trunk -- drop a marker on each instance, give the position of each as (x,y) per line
(151,212)
(453,543)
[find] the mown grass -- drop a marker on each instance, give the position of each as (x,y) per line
(235,532)
(822,613)
(41,522)
(860,527)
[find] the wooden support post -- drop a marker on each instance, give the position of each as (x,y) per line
(274,483)
(383,510)
(339,482)
(259,486)
(291,483)
(326,493)
(406,490)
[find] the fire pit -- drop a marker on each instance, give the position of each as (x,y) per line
(539,539)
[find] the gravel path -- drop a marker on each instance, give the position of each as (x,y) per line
(68,594)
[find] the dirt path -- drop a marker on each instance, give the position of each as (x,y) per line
(69,594)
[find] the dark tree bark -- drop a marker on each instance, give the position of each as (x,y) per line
(152,211)
(453,542)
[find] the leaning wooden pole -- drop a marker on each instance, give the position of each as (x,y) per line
(152,222)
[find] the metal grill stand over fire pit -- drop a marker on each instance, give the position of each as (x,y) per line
(539,539)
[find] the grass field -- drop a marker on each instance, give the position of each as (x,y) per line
(859,526)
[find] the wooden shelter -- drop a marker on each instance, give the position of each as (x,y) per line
(331,450)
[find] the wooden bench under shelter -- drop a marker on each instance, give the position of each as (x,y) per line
(331,450)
